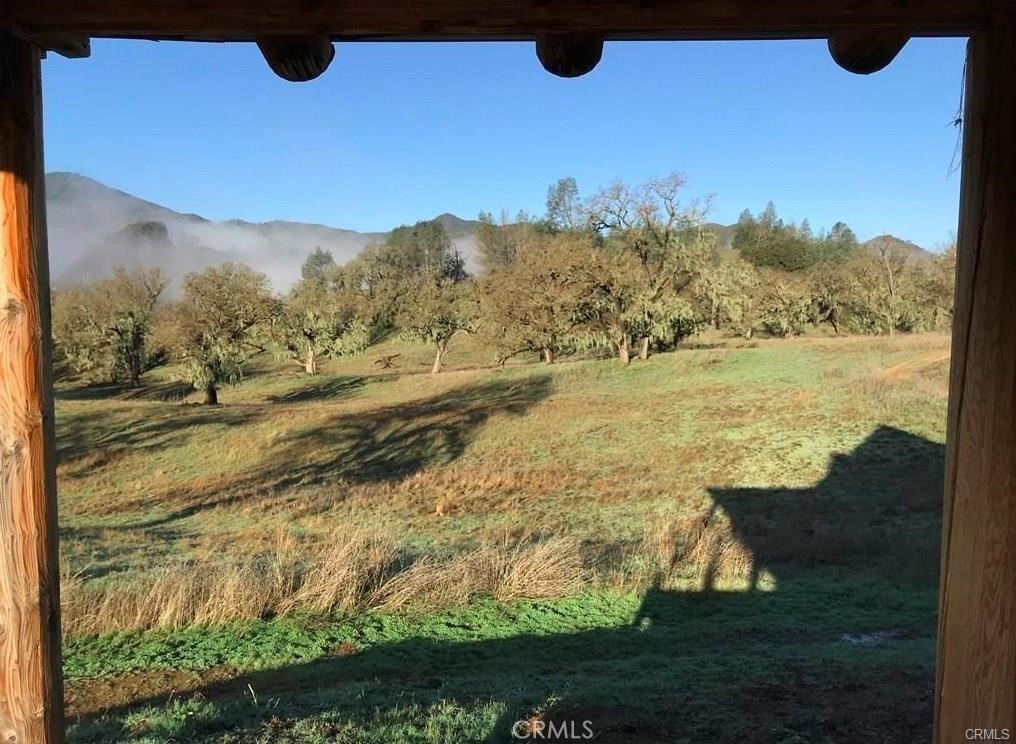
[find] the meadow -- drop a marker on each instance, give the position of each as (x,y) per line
(735,541)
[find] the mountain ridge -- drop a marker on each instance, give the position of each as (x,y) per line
(90,235)
(93,231)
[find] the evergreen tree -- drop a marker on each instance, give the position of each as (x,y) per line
(317,266)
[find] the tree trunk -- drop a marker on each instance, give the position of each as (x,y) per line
(211,395)
(310,362)
(624,350)
(135,376)
(442,347)
(548,355)
(644,350)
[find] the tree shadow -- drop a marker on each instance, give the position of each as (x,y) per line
(99,558)
(394,442)
(100,434)
(701,665)
(324,388)
(169,391)
(349,448)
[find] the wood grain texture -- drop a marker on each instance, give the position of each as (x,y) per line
(31,702)
(976,677)
(490,19)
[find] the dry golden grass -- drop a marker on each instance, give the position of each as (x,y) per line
(356,570)
(702,548)
(512,569)
(362,569)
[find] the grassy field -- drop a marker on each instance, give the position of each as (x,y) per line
(733,542)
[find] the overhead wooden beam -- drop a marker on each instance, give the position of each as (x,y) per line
(976,679)
(31,697)
(864,51)
(248,20)
(297,58)
(569,55)
(72,47)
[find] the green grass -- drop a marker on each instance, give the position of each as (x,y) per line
(601,649)
(822,455)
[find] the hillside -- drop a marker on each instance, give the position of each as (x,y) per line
(897,245)
(94,228)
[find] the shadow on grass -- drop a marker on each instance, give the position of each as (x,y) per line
(696,667)
(94,555)
(878,510)
(382,445)
(392,443)
(324,388)
(165,392)
(99,435)
(708,665)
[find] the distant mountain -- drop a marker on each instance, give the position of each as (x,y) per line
(456,227)
(897,245)
(725,239)
(94,229)
(724,233)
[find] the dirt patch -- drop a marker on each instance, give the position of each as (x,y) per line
(86,697)
(907,369)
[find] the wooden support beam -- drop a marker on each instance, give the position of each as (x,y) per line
(976,678)
(31,692)
(297,58)
(72,47)
(247,20)
(569,55)
(864,51)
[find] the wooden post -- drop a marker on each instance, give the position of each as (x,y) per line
(976,676)
(31,691)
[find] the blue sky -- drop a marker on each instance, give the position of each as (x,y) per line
(394,133)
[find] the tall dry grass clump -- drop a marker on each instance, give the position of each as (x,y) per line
(701,548)
(524,568)
(345,574)
(353,571)
(204,591)
(427,581)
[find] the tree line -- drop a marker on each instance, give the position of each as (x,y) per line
(630,269)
